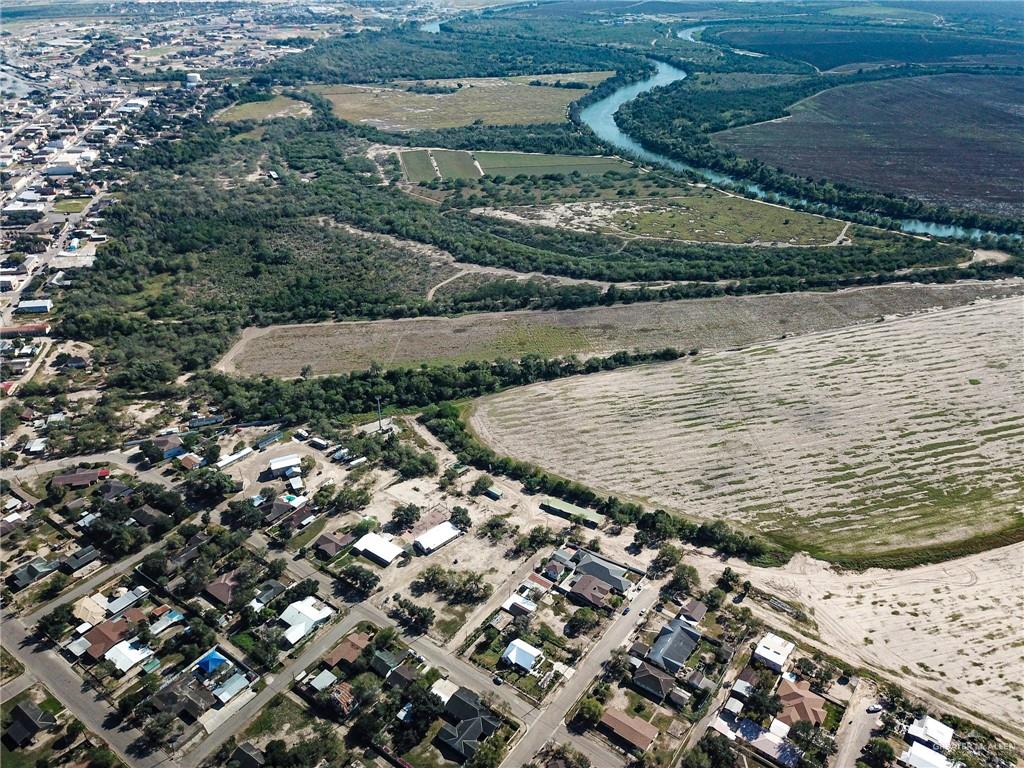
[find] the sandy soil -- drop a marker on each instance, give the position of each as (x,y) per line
(708,324)
(850,442)
(950,631)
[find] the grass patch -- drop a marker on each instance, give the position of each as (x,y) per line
(417,166)
(279,712)
(278,106)
(299,540)
(71,205)
(455,165)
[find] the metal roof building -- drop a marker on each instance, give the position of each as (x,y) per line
(436,537)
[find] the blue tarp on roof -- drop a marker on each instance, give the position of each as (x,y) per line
(211,662)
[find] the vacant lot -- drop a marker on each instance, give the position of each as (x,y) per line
(967,153)
(708,324)
(861,443)
(702,217)
(279,106)
(402,106)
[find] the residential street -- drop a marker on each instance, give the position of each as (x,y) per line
(855,730)
(94,712)
(552,715)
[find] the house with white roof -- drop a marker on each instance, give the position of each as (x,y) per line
(127,654)
(377,548)
(931,733)
(523,655)
(302,617)
(773,651)
(285,465)
(436,537)
(920,756)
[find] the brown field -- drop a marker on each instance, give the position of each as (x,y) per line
(967,153)
(494,100)
(872,444)
(282,350)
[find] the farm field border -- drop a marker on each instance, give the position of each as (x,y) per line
(719,323)
(849,444)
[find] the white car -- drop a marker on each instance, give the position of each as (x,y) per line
(875,708)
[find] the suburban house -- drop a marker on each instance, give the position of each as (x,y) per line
(611,573)
(169,445)
(382,662)
(77,480)
(564,509)
(27,719)
(265,594)
(222,589)
(653,681)
(673,646)
(348,650)
(470,722)
(147,516)
(402,676)
(78,560)
(773,651)
(329,546)
(285,466)
(590,591)
(520,653)
(920,756)
(248,755)
(799,703)
(632,732)
(302,617)
(30,573)
(932,733)
(104,636)
(693,612)
(127,654)
(377,548)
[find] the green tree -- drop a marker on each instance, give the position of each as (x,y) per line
(581,622)
(480,485)
(405,517)
(590,711)
(460,518)
(879,753)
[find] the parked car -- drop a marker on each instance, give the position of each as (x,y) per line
(876,707)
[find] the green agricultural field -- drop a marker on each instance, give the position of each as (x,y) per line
(866,446)
(417,166)
(279,106)
(515,163)
(455,164)
(403,106)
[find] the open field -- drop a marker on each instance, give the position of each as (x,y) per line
(883,443)
(966,154)
(460,164)
(456,165)
(491,100)
(417,166)
(705,216)
(950,630)
(279,106)
(720,323)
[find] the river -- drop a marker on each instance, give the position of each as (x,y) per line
(600,118)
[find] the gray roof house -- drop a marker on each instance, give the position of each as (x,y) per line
(607,571)
(676,641)
(653,681)
(27,720)
(471,722)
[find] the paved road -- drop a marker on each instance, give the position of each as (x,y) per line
(550,718)
(855,730)
(93,710)
(600,754)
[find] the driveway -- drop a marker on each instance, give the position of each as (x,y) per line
(858,723)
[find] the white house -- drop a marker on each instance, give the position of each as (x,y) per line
(932,733)
(523,655)
(127,654)
(773,651)
(282,465)
(302,617)
(920,756)
(377,548)
(436,537)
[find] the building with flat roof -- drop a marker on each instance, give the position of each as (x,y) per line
(436,537)
(932,733)
(773,651)
(377,548)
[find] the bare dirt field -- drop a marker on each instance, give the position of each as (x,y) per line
(948,630)
(707,323)
(889,443)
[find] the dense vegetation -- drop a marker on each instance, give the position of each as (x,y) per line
(378,57)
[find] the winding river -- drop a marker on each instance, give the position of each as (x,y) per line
(600,118)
